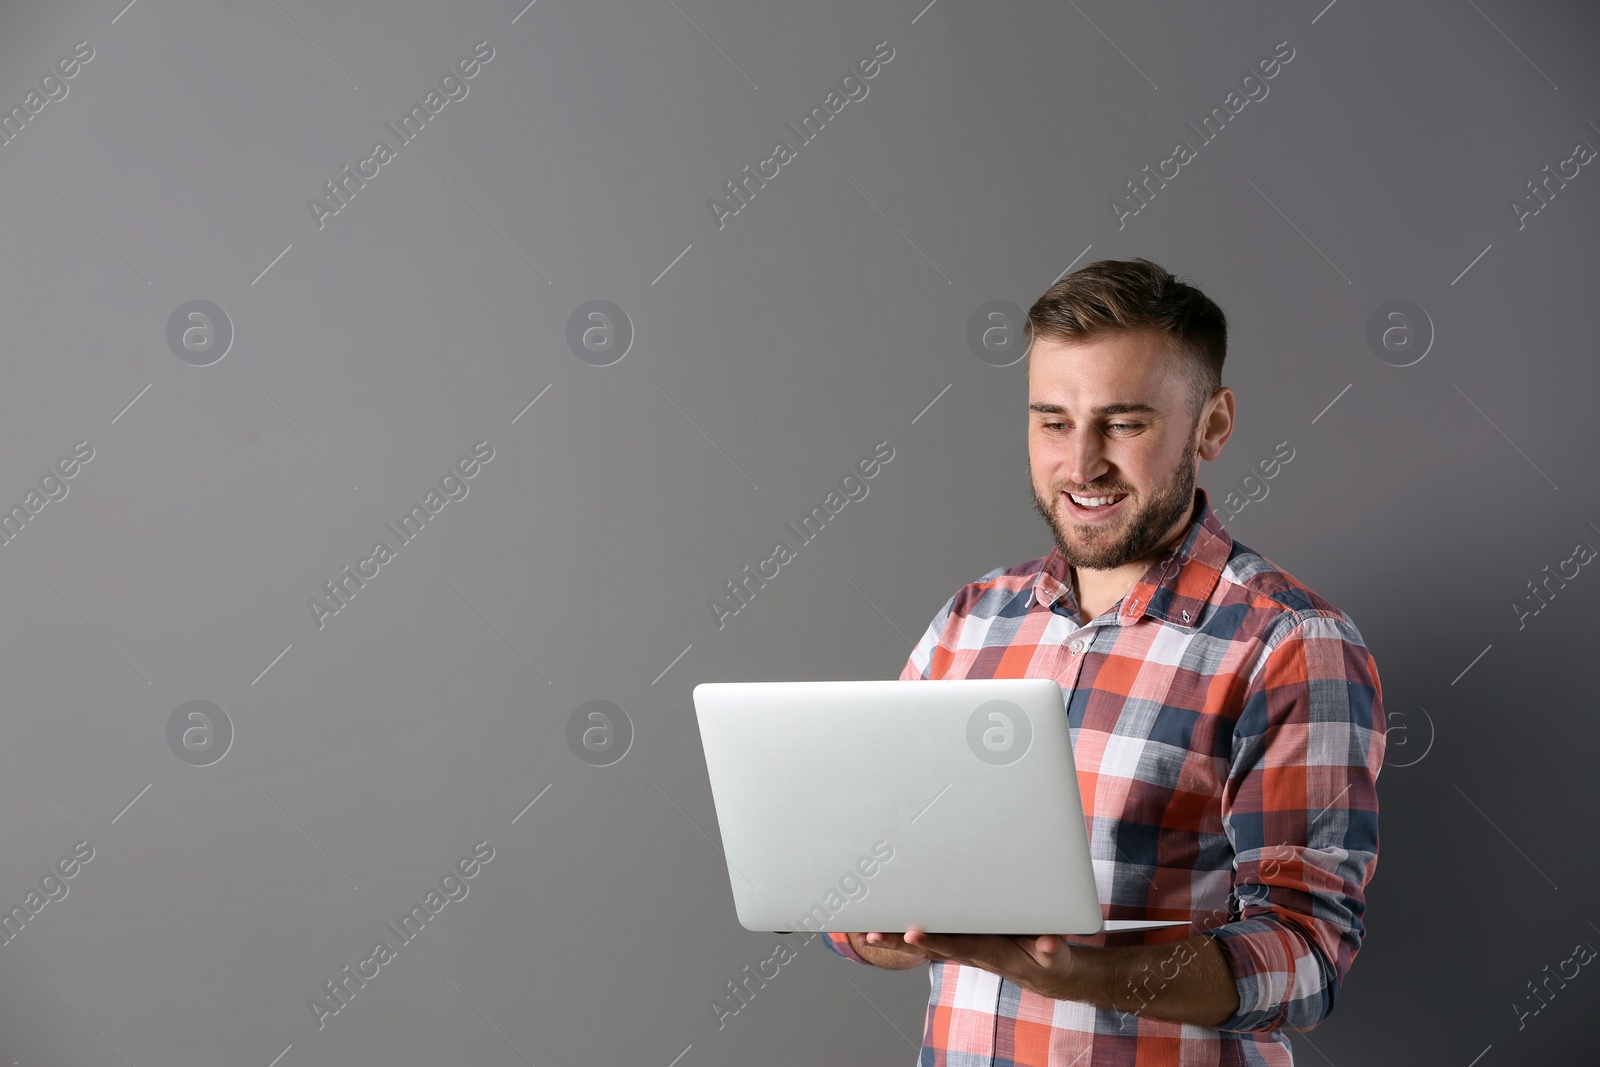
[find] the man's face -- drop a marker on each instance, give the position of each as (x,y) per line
(1110,418)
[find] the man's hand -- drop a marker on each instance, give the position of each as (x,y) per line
(1042,964)
(881,953)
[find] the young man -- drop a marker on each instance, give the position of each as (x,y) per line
(1227,721)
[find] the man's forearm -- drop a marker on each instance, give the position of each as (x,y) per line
(1183,982)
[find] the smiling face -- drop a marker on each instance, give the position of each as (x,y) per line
(1110,418)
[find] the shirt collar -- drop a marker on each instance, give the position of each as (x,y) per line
(1174,589)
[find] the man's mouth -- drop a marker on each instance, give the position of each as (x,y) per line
(1096,501)
(1092,508)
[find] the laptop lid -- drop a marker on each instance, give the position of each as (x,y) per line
(951,805)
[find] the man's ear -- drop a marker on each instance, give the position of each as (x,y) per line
(1216,424)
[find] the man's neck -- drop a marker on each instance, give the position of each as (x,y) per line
(1096,590)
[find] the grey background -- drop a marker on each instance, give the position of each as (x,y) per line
(768,357)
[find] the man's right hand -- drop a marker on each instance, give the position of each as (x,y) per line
(892,952)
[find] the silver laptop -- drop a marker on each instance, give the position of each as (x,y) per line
(949,805)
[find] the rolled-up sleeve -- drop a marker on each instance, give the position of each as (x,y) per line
(1300,807)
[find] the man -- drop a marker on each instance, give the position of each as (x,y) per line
(1227,721)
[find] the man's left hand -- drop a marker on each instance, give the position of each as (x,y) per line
(1041,964)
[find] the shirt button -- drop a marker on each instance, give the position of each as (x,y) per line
(1076,646)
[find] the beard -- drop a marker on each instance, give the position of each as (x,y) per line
(1137,533)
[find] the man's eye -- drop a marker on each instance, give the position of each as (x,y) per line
(1115,425)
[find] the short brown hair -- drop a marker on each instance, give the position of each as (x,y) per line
(1114,295)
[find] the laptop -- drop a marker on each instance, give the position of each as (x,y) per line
(950,805)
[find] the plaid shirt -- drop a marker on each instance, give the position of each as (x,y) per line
(1227,726)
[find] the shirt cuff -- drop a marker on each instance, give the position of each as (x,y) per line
(1279,975)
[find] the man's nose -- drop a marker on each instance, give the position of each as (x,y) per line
(1086,460)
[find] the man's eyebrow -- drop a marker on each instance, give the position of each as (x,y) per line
(1108,409)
